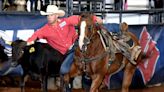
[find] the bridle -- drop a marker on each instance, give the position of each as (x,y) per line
(87,41)
(84,59)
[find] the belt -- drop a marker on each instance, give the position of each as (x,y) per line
(71,46)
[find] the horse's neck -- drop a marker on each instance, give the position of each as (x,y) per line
(96,44)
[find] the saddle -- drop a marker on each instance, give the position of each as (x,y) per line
(114,45)
(106,40)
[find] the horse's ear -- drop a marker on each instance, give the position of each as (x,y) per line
(90,13)
(83,15)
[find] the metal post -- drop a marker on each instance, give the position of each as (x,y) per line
(79,6)
(1,5)
(103,9)
(94,6)
(69,6)
(120,17)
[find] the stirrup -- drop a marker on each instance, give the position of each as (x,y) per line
(133,62)
(86,76)
(112,58)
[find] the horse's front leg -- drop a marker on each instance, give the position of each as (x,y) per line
(96,82)
(128,75)
(65,83)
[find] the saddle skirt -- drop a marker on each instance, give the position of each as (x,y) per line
(119,46)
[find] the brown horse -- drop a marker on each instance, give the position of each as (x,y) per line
(96,60)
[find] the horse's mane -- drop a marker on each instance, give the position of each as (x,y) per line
(86,16)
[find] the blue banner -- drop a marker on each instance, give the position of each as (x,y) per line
(15,25)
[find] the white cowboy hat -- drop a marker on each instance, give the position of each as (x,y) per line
(53,9)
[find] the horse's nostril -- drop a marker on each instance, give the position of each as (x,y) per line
(83,48)
(86,40)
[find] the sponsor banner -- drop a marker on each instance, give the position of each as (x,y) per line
(150,71)
(20,25)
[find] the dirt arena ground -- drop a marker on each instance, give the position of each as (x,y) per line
(36,86)
(150,89)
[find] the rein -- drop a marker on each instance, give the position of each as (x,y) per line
(88,60)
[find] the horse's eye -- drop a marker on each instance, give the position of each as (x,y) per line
(89,28)
(22,51)
(82,16)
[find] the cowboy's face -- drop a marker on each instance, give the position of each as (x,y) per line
(52,19)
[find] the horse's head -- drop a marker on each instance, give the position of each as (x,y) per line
(87,28)
(17,50)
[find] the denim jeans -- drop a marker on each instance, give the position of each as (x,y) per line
(66,65)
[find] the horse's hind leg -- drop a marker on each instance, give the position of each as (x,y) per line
(96,82)
(128,75)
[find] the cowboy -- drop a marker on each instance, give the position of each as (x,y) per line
(59,33)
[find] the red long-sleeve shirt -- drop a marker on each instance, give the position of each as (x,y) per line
(60,36)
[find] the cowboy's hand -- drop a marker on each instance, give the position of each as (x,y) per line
(99,20)
(30,43)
